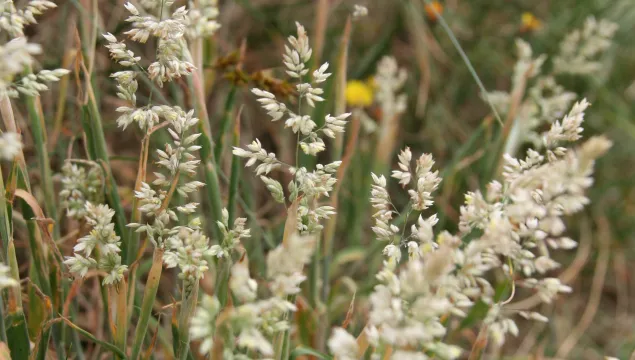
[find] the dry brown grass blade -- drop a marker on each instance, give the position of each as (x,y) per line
(620,267)
(597,284)
(291,225)
(7,114)
(321,21)
(362,342)
(479,345)
(72,292)
(517,95)
(341,79)
(417,29)
(218,347)
(45,224)
(4,352)
(329,230)
(48,306)
(67,61)
(349,313)
(118,305)
(147,354)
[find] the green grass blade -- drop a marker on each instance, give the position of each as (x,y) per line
(225,122)
(234,177)
(152,286)
(38,128)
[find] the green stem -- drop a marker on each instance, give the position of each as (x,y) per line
(5,225)
(35,239)
(106,345)
(152,286)
(222,280)
(188,304)
(225,122)
(117,296)
(210,169)
(17,335)
(96,130)
(39,136)
(234,177)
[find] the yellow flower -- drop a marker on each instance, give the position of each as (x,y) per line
(358,94)
(529,22)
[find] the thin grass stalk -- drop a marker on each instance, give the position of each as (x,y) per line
(90,336)
(68,59)
(17,333)
(174,326)
(98,139)
(340,108)
(208,158)
(225,122)
(281,340)
(3,330)
(135,217)
(321,258)
(188,305)
(329,230)
(35,239)
(418,31)
(234,177)
(221,287)
(464,57)
(149,295)
(5,211)
(5,228)
(508,138)
(290,228)
(340,83)
(39,136)
(210,169)
(118,307)
(5,233)
(93,124)
(321,21)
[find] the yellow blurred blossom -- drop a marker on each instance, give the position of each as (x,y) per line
(432,9)
(529,22)
(358,93)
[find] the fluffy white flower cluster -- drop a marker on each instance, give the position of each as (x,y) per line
(169,63)
(307,186)
(201,20)
(177,159)
(170,33)
(17,53)
(426,182)
(546,100)
(6,280)
(231,235)
(250,326)
(359,11)
(389,80)
(580,50)
(104,240)
(296,57)
(13,20)
(188,247)
(10,145)
(512,227)
(80,187)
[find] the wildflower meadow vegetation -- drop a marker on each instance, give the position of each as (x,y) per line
(395,179)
